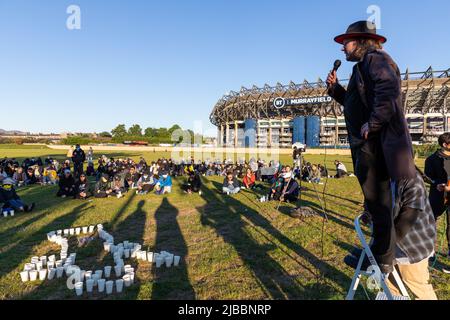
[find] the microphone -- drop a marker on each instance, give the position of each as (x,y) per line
(336,66)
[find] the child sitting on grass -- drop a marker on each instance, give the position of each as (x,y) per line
(164,184)
(11,200)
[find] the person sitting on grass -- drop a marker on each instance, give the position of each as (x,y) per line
(19,177)
(275,189)
(103,187)
(30,177)
(66,185)
(341,170)
(90,170)
(194,183)
(10,199)
(285,189)
(82,188)
(132,178)
(146,183)
(164,184)
(118,187)
(249,180)
(50,176)
(231,184)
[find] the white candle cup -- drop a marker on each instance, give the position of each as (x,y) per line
(125,244)
(101,285)
(91,229)
(99,226)
(144,255)
(109,286)
(59,272)
(129,270)
(29,266)
(126,253)
(44,260)
(106,246)
(79,288)
(137,246)
(11,213)
(133,253)
(24,275)
(85,229)
(118,270)
(59,232)
(95,277)
(39,265)
(119,285)
(159,262)
(77,231)
(34,259)
(42,274)
(176,260)
(58,263)
(107,270)
(131,274)
(99,273)
(5,213)
(71,231)
(51,273)
(89,285)
(150,257)
(168,261)
(50,235)
(82,274)
(66,232)
(127,280)
(88,275)
(52,258)
(33,275)
(50,264)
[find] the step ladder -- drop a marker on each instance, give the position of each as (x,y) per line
(385,293)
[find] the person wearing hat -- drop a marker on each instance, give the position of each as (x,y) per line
(11,199)
(66,185)
(118,187)
(377,129)
(82,188)
(194,183)
(146,182)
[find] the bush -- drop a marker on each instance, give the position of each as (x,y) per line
(425,150)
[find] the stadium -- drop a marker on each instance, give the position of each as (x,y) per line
(285,114)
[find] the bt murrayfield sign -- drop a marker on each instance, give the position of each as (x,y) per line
(289,102)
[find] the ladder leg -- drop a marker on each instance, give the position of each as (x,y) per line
(400,283)
(356,278)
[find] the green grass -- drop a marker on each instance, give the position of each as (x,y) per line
(233,247)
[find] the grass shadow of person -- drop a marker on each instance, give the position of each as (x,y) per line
(173,282)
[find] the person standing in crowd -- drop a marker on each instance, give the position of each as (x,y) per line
(415,238)
(437,168)
(78,158)
(378,132)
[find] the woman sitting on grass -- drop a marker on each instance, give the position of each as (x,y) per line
(146,183)
(231,184)
(82,188)
(11,200)
(194,183)
(103,187)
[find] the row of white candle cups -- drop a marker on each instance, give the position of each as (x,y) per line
(73,231)
(36,269)
(6,212)
(95,280)
(159,259)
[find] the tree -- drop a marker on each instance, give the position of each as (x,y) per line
(135,130)
(150,132)
(173,128)
(119,131)
(105,134)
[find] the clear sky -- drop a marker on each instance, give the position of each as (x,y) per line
(157,63)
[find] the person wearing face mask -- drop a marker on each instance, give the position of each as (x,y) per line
(78,158)
(164,184)
(437,168)
(82,189)
(103,187)
(146,183)
(378,133)
(10,199)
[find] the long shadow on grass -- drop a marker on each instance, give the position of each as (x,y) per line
(274,280)
(171,283)
(14,256)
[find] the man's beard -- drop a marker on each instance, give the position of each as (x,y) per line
(351,56)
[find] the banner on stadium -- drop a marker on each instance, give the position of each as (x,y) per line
(289,102)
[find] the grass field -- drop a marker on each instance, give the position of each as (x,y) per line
(232,247)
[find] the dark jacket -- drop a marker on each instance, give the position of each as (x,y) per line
(234,184)
(78,156)
(7,195)
(435,170)
(66,182)
(378,83)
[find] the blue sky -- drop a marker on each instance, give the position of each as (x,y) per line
(157,63)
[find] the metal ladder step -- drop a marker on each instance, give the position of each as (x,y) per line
(382,296)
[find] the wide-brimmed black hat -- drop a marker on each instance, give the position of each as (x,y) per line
(360,29)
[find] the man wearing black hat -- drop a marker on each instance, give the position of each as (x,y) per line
(378,133)
(78,158)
